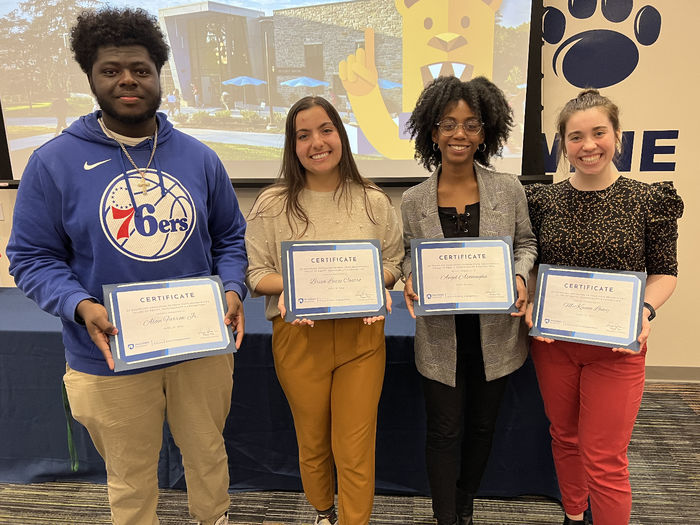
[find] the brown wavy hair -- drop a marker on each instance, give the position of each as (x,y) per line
(292,176)
(587,99)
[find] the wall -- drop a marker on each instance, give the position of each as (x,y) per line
(657,103)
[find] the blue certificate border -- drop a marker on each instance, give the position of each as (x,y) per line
(638,280)
(291,302)
(118,344)
(418,246)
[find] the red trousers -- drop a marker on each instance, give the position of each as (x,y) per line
(591,396)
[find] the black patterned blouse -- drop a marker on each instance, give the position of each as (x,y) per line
(630,225)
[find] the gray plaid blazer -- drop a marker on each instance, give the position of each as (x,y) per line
(503,211)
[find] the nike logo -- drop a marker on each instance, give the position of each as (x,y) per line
(88,167)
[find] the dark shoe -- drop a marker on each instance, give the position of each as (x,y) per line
(466,519)
(327,517)
(465,508)
(569,521)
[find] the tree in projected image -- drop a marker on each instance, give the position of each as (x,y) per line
(28,73)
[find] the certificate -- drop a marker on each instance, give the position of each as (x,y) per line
(166,321)
(590,306)
(463,275)
(332,279)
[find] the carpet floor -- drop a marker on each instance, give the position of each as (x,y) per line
(664,466)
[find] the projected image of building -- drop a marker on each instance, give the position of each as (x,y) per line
(211,42)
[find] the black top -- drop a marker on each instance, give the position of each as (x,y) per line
(629,225)
(455,224)
(467,329)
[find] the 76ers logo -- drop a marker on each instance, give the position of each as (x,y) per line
(160,224)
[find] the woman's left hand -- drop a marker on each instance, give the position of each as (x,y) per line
(370,320)
(643,336)
(521,303)
(283,312)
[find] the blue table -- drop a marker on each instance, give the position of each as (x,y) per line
(259,432)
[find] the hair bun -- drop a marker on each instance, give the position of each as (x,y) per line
(588,91)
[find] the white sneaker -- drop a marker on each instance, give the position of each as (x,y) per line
(223,520)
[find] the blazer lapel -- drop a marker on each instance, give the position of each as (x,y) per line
(488,197)
(430,220)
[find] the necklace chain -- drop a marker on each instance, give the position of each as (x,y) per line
(143,184)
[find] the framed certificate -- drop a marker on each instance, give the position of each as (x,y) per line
(166,321)
(332,279)
(590,306)
(463,275)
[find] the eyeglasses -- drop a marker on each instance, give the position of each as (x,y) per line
(448,127)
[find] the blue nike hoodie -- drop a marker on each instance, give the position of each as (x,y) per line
(82,220)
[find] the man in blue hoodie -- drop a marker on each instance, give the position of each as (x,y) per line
(121,196)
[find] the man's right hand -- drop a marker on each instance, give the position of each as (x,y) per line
(98,327)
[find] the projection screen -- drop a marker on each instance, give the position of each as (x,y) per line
(236,67)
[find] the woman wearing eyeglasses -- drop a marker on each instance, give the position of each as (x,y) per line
(464,359)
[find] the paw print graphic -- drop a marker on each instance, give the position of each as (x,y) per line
(599,57)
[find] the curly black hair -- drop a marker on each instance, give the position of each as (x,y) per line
(116,27)
(483,97)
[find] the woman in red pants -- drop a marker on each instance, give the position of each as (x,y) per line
(599,219)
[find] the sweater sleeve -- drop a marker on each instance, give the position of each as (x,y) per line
(39,248)
(263,251)
(392,245)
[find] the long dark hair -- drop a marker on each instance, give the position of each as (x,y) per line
(292,176)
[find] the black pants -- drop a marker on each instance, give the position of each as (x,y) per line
(460,425)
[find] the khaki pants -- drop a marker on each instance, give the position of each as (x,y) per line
(124,416)
(332,375)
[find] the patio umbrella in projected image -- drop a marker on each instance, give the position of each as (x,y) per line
(242,82)
(304,82)
(388,84)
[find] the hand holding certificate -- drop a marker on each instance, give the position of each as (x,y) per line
(332,279)
(463,275)
(166,321)
(596,307)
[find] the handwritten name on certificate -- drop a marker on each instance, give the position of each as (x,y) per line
(166,321)
(599,307)
(463,275)
(332,279)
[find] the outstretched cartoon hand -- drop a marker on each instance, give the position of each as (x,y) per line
(359,72)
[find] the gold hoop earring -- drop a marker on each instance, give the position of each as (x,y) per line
(435,146)
(480,148)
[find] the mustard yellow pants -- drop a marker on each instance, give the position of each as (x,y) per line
(124,416)
(332,375)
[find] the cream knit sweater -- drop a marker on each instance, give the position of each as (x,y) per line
(329,219)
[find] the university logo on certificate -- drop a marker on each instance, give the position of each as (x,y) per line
(333,279)
(167,321)
(588,305)
(463,275)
